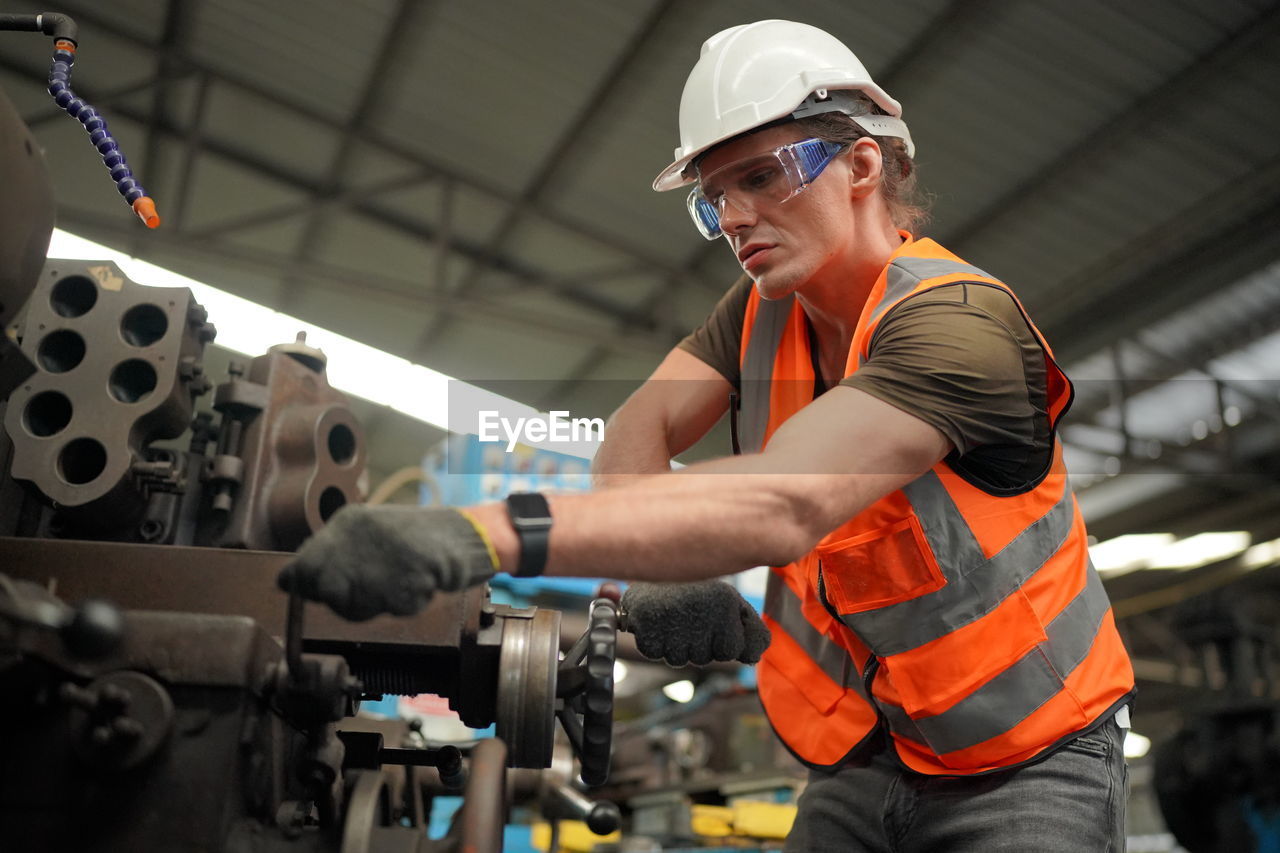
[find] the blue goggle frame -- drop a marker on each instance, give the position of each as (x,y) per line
(800,162)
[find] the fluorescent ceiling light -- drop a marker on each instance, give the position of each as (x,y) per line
(1262,554)
(679,691)
(1135,745)
(1200,549)
(356,368)
(1128,552)
(1165,551)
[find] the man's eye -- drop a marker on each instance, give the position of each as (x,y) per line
(758,179)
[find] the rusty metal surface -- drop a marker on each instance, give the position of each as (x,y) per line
(526,695)
(220,581)
(189,685)
(178,648)
(300,449)
(485,809)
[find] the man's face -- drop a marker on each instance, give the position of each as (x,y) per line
(782,246)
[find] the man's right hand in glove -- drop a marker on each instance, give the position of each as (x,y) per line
(697,623)
(389,559)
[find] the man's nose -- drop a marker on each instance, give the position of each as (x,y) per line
(733,217)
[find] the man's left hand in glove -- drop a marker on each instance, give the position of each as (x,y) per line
(372,560)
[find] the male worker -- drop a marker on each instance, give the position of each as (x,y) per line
(943,655)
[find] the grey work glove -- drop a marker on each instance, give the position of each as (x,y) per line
(370,560)
(697,623)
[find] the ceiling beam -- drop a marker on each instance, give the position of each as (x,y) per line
(392,220)
(177,216)
(1094,143)
(178,24)
(91,15)
(338,199)
(399,41)
(1203,249)
(595,357)
(390,289)
(1161,365)
(561,153)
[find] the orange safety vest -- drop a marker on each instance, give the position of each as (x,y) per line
(971,626)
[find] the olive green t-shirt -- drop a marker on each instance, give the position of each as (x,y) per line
(961,357)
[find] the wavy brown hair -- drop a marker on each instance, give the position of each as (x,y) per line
(908,204)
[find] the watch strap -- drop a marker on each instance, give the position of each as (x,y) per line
(531,517)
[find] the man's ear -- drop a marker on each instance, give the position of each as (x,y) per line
(866,164)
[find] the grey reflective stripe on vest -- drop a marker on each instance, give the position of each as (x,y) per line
(757,371)
(904,274)
(1013,695)
(975,584)
(783,607)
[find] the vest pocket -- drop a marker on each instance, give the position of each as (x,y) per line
(879,568)
(997,655)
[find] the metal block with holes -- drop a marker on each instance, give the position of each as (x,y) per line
(118,367)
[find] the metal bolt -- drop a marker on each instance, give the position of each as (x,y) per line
(114,696)
(80,698)
(126,728)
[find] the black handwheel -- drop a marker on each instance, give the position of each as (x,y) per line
(586,686)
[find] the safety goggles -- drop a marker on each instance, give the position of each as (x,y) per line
(769,178)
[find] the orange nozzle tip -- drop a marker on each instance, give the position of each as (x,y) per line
(65,44)
(146,210)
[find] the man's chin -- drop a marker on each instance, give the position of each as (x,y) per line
(773,287)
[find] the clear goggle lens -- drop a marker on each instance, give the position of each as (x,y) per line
(769,178)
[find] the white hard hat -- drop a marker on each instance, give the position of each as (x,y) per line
(752,74)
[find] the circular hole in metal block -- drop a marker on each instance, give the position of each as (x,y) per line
(331,500)
(60,351)
(143,325)
(342,444)
(46,414)
(82,461)
(132,380)
(73,296)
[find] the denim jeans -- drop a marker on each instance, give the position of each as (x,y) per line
(1071,802)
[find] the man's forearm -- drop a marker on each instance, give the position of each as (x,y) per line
(822,467)
(712,519)
(635,445)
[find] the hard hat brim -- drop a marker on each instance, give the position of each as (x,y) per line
(674,177)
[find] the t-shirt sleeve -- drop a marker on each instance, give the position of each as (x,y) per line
(718,341)
(963,359)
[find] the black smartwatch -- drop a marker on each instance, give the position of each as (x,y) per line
(531,517)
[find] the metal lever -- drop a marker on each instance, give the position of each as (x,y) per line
(293,636)
(601,817)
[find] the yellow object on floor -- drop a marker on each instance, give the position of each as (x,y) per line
(749,819)
(763,820)
(711,821)
(574,837)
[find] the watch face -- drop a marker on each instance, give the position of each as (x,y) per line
(528,507)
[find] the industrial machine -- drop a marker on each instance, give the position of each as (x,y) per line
(149,701)
(159,692)
(1218,777)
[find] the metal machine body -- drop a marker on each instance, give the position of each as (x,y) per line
(207,718)
(120,368)
(1218,778)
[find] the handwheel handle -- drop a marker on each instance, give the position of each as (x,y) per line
(586,686)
